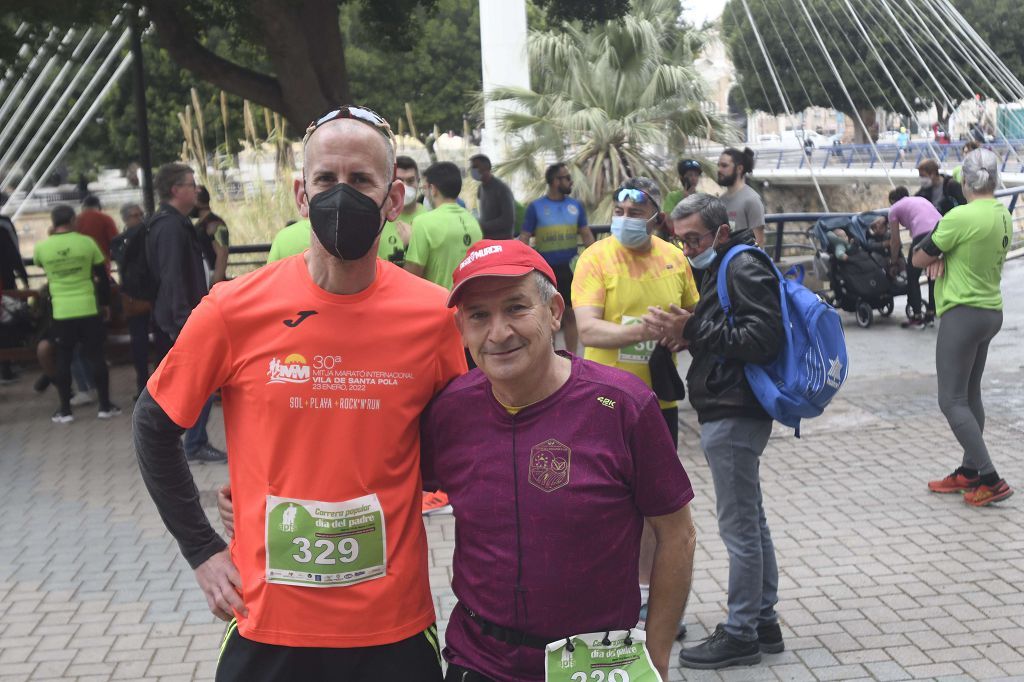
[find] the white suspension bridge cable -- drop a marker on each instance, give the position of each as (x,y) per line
(28,75)
(22,53)
(750,60)
(55,138)
(842,85)
(885,68)
(40,133)
(42,106)
(807,57)
(73,137)
(40,82)
(985,53)
(782,96)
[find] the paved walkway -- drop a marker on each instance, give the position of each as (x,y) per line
(880,580)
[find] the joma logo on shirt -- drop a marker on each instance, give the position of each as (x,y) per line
(293,370)
(549,465)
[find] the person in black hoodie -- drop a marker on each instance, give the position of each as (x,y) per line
(734,426)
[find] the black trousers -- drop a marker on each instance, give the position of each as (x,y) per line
(416,659)
(138,330)
(90,332)
(671,416)
(456,673)
(914,283)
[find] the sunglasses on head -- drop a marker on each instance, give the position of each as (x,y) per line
(368,116)
(637,196)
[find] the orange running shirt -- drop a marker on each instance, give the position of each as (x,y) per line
(322,396)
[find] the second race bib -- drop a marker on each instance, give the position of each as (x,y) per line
(639,353)
(586,658)
(325,544)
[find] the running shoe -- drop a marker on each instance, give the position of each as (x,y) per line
(83,398)
(62,417)
(913,323)
(207,454)
(436,503)
(956,482)
(108,412)
(987,494)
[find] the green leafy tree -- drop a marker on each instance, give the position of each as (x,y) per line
(607,99)
(999,23)
(803,69)
(302,70)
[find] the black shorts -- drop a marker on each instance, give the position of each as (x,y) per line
(563,282)
(416,659)
(89,331)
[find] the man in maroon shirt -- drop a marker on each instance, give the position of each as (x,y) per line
(93,222)
(551,464)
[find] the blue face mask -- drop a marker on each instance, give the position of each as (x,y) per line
(703,261)
(631,232)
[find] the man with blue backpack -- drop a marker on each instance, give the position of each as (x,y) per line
(753,336)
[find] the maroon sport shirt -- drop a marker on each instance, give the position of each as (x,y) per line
(549,507)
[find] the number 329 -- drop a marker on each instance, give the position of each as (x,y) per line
(347,548)
(617,675)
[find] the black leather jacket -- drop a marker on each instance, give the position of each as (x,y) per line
(718,388)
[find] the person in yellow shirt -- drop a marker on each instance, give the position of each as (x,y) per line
(617,279)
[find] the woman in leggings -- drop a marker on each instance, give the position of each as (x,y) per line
(965,252)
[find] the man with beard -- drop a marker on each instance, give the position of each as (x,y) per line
(319,422)
(746,210)
(558,223)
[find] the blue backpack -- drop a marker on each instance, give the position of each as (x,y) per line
(812,365)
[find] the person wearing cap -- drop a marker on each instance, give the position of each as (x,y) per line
(326,577)
(690,172)
(551,463)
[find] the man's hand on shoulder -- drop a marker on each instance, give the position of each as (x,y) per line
(221,583)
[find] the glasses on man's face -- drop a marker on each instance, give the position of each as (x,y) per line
(693,241)
(368,116)
(637,196)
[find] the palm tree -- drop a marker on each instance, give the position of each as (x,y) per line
(607,100)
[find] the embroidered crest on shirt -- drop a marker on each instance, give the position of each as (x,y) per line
(549,465)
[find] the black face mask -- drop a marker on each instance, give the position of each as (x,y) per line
(346,221)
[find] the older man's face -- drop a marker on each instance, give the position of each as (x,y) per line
(354,153)
(133,217)
(507,327)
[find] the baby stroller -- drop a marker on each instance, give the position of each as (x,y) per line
(861,283)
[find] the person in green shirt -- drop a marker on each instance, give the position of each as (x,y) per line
(394,239)
(291,240)
(76,273)
(689,177)
(441,237)
(965,253)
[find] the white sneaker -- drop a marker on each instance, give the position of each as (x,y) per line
(111,411)
(61,418)
(83,398)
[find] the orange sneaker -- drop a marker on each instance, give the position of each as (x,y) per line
(956,482)
(436,503)
(987,494)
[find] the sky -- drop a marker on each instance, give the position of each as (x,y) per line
(699,11)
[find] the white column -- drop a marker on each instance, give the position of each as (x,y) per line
(504,60)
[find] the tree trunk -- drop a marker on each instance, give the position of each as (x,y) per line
(304,46)
(860,135)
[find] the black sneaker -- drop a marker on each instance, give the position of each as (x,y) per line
(207,453)
(769,638)
(720,650)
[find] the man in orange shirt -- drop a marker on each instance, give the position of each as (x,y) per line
(93,222)
(322,392)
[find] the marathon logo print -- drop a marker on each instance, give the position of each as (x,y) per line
(292,370)
(476,255)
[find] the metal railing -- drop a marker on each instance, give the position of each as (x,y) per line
(887,155)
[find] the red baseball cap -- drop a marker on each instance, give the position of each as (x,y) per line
(497,258)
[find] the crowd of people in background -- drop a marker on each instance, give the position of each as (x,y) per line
(373,232)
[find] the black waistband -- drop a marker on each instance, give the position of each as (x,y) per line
(503,634)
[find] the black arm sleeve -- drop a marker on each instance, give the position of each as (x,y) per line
(167,477)
(101,280)
(929,247)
